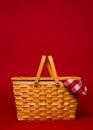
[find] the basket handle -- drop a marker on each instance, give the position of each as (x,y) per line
(43,59)
(51,68)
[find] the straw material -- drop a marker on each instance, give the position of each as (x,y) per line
(44,99)
(43,102)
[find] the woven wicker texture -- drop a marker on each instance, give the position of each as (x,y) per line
(44,102)
(46,99)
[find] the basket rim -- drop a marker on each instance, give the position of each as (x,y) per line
(44,78)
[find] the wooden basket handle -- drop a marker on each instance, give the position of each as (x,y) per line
(51,68)
(43,59)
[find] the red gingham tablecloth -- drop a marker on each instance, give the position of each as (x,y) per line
(76,86)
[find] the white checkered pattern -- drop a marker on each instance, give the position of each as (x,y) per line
(76,86)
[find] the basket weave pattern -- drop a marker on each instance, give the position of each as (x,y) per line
(44,102)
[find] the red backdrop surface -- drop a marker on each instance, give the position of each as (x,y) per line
(29,29)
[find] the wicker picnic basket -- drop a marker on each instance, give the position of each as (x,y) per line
(44,98)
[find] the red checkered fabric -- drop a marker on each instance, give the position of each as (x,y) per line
(76,86)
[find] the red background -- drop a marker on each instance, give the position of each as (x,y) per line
(29,29)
